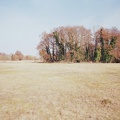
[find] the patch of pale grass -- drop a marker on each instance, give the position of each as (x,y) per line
(35,91)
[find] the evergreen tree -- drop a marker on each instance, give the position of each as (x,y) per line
(97,55)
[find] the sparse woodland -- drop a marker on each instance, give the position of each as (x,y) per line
(17,56)
(78,44)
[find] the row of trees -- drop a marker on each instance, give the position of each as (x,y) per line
(77,44)
(17,56)
(4,56)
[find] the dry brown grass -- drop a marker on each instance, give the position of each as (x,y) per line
(35,91)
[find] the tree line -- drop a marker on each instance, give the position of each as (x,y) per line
(17,56)
(78,44)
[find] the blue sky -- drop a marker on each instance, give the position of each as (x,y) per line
(22,21)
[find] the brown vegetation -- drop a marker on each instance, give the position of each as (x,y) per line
(76,43)
(18,56)
(33,91)
(4,56)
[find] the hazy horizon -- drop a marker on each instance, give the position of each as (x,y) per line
(23,21)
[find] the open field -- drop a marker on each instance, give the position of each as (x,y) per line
(39,91)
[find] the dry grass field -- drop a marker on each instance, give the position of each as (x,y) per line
(39,91)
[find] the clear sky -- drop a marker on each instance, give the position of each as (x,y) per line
(22,21)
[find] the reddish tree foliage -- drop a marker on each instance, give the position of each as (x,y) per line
(77,43)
